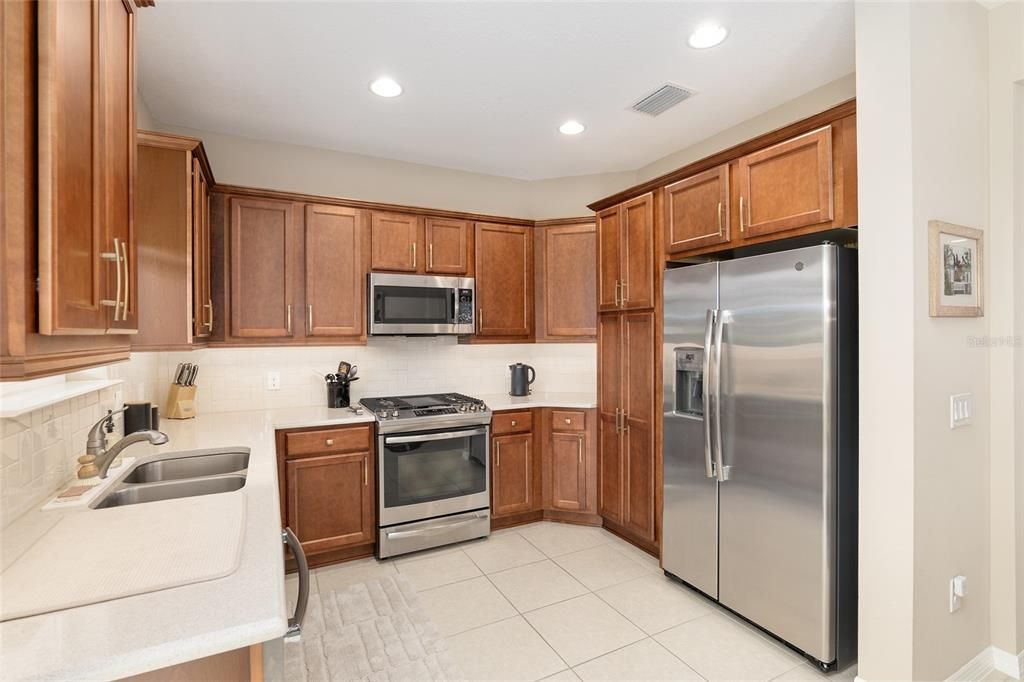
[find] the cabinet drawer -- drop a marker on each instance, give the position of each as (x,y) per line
(568,420)
(511,422)
(353,439)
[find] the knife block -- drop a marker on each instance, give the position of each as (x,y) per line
(181,402)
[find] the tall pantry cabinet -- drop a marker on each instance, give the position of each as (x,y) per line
(627,336)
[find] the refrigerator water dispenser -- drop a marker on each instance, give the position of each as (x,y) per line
(689,382)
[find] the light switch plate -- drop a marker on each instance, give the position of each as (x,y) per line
(273,381)
(961,409)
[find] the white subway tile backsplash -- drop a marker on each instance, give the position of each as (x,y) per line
(232,379)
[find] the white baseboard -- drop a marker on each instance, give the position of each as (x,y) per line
(1007,663)
(989,660)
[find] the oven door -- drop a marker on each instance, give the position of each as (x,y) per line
(433,473)
(414,304)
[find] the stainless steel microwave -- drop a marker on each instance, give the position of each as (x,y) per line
(409,305)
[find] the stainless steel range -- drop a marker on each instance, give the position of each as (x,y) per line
(433,454)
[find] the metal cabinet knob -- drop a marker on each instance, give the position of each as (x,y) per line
(329,441)
(568,420)
(513,422)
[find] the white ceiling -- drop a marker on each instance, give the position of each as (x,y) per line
(486,84)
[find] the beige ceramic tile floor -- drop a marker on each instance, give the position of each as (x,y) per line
(562,602)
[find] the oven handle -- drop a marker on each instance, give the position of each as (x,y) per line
(435,436)
(433,530)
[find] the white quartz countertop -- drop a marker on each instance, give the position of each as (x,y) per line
(504,401)
(131,635)
(135,634)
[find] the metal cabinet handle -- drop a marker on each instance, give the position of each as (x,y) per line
(480,312)
(309,318)
(497,454)
(288,319)
(365,476)
(127,280)
(618,285)
(430,256)
(209,306)
(741,213)
(719,217)
(580,449)
(624,297)
(295,622)
(413,245)
(115,256)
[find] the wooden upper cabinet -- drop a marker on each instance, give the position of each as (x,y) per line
(609,257)
(512,480)
(625,255)
(504,280)
(393,242)
(566,281)
(264,263)
(86,86)
(638,253)
(788,185)
(202,289)
(698,210)
(330,501)
(335,280)
(447,250)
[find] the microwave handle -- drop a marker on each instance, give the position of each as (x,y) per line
(434,436)
(455,306)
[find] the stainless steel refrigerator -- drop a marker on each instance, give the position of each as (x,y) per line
(760,441)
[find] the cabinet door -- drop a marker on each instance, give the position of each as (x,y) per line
(568,280)
(609,257)
(698,210)
(263,266)
(638,439)
(335,281)
(202,291)
(447,250)
(504,280)
(330,501)
(610,499)
(638,253)
(116,99)
(512,481)
(393,241)
(788,185)
(568,471)
(77,258)
(611,368)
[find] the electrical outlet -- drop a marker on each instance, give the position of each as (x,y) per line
(273,381)
(961,407)
(957,592)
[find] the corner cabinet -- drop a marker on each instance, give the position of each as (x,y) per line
(327,485)
(566,283)
(504,281)
(86,165)
(625,258)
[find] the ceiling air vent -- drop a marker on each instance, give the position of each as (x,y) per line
(662,99)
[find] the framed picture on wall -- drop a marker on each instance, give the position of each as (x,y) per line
(955,270)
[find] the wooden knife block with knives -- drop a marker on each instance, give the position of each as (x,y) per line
(181,399)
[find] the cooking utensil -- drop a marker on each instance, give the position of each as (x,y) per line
(343,369)
(192,376)
(352,372)
(177,372)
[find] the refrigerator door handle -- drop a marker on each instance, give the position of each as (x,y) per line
(708,391)
(721,470)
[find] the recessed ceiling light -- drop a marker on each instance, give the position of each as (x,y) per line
(571,128)
(707,35)
(386,87)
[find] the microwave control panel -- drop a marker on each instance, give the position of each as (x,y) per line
(464,312)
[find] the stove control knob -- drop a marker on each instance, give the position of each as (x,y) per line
(382,414)
(394,413)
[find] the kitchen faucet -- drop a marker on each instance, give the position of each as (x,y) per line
(96,444)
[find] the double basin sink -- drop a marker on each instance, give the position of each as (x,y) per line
(190,473)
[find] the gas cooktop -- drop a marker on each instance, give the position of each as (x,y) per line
(424,411)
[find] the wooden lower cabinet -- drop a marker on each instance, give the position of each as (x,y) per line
(512,476)
(568,471)
(237,665)
(612,482)
(328,497)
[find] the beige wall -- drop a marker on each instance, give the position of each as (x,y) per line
(1006,300)
(260,163)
